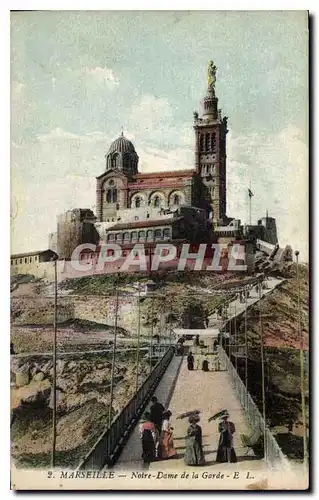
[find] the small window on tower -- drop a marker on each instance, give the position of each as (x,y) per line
(202,142)
(213,142)
(206,142)
(157,201)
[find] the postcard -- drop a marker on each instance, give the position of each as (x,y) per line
(159,263)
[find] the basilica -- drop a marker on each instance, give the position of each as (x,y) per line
(121,186)
(179,206)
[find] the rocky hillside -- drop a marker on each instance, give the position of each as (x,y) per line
(83,399)
(282,342)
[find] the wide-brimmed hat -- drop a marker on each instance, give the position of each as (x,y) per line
(193,419)
(188,414)
(224,415)
(219,415)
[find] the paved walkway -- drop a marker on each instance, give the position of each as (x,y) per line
(236,308)
(208,392)
(131,454)
(181,390)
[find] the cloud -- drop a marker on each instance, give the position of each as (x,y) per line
(153,120)
(277,167)
(57,134)
(102,77)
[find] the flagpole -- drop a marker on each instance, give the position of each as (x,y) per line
(250,195)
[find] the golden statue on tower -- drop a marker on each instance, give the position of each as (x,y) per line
(211,75)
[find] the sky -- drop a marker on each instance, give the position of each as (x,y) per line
(78,77)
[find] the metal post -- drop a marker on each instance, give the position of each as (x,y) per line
(54,364)
(138,336)
(236,346)
(170,330)
(302,373)
(114,349)
(262,372)
(246,352)
(151,333)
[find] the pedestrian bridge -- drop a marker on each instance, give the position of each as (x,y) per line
(181,390)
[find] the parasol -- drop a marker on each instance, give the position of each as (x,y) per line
(193,413)
(220,414)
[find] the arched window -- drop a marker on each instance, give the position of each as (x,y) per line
(134,235)
(176,200)
(114,161)
(119,237)
(157,201)
(126,162)
(149,234)
(141,235)
(126,236)
(111,195)
(166,233)
(158,234)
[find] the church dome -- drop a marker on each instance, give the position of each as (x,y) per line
(121,145)
(122,156)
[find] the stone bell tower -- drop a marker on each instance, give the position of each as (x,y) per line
(210,150)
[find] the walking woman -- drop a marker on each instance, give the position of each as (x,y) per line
(167,443)
(190,361)
(149,438)
(194,454)
(226,452)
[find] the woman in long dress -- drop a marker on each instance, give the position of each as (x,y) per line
(226,452)
(190,361)
(194,454)
(167,449)
(205,367)
(149,438)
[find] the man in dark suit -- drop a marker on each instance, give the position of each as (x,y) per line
(156,411)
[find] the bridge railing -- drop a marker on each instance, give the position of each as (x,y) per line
(273,452)
(109,445)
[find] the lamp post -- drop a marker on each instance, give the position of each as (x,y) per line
(114,348)
(302,370)
(138,336)
(152,331)
(246,351)
(262,370)
(54,258)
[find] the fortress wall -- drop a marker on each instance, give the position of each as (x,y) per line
(39,270)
